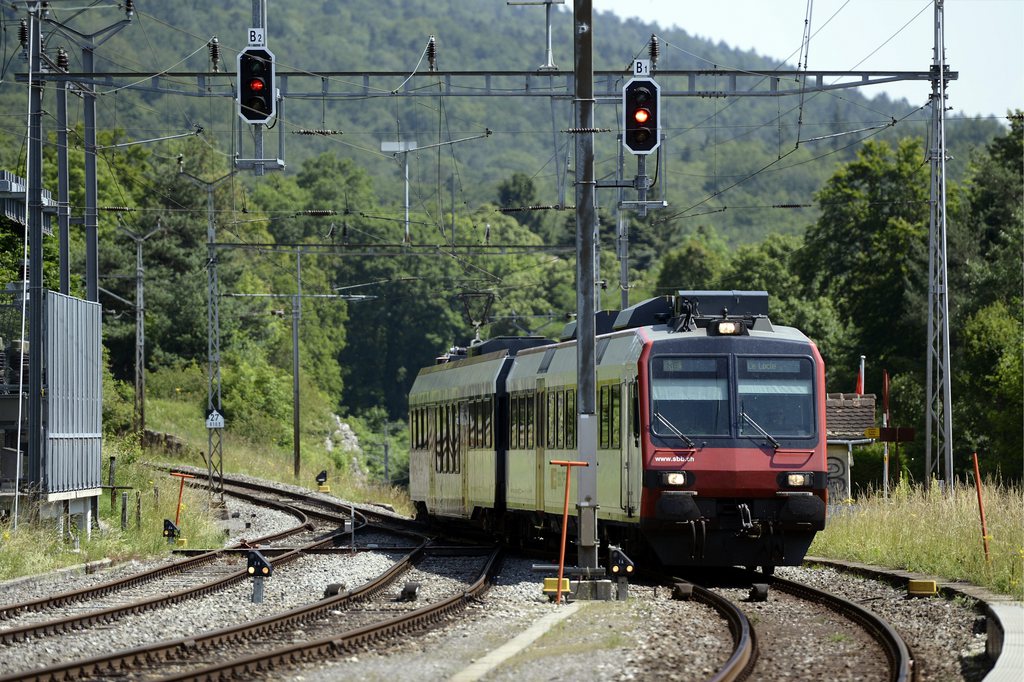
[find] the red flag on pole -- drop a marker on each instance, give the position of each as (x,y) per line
(860,378)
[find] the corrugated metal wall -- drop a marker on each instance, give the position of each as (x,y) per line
(74,390)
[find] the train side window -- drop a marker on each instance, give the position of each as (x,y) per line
(560,421)
(421,431)
(513,422)
(439,438)
(474,424)
(488,422)
(604,416)
(428,426)
(530,408)
(634,408)
(549,431)
(570,418)
(615,408)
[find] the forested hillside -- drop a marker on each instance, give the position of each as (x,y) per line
(846,260)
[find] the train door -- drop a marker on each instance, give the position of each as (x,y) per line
(630,450)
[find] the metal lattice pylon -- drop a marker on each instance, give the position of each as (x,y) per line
(939,426)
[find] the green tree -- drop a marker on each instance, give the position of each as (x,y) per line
(992,381)
(868,254)
(768,266)
(695,264)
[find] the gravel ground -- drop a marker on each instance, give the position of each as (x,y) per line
(648,637)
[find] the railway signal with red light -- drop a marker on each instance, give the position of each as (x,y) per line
(641,126)
(257,94)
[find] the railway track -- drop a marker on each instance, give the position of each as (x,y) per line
(744,640)
(335,624)
(329,629)
(365,613)
(896,651)
(787,624)
(113,608)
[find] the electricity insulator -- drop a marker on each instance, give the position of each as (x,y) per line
(23,34)
(318,212)
(654,50)
(215,54)
(63,62)
(432,53)
(129,8)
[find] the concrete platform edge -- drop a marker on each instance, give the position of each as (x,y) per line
(1004,615)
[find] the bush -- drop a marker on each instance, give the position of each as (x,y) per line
(183,380)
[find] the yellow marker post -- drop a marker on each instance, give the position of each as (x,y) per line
(565,519)
(181,492)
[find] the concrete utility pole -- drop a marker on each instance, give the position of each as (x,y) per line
(586,366)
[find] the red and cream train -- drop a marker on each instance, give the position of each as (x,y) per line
(711,434)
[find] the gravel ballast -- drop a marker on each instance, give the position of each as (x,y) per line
(648,637)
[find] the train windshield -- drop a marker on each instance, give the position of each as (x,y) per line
(777,395)
(691,396)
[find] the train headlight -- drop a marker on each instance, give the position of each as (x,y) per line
(673,478)
(727,328)
(799,479)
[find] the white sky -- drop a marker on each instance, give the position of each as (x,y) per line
(984,40)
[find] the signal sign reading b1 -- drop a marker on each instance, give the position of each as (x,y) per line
(257,95)
(641,124)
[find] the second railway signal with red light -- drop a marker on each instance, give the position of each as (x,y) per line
(641,126)
(257,94)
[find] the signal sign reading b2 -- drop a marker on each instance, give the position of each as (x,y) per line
(257,100)
(641,100)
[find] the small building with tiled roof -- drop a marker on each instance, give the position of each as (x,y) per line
(847,415)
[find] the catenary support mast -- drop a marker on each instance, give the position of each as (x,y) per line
(939,427)
(586,368)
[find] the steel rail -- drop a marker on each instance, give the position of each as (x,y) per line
(320,649)
(62,625)
(178,650)
(896,650)
(105,665)
(744,656)
(70,597)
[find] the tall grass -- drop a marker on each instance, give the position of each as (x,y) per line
(33,548)
(37,548)
(268,461)
(932,532)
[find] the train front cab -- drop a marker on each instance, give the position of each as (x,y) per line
(734,448)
